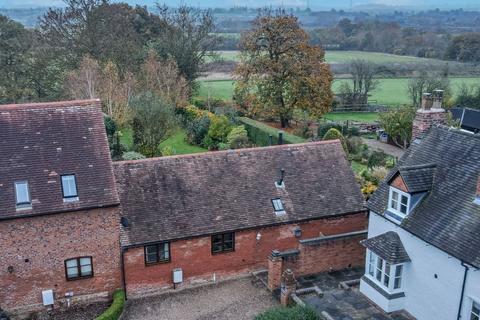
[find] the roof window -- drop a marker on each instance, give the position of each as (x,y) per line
(278,206)
(22,195)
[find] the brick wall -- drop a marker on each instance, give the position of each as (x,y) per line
(199,265)
(425,119)
(37,247)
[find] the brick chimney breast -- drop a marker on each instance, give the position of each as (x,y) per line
(430,114)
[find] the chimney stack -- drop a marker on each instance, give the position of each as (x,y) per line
(430,114)
(477,193)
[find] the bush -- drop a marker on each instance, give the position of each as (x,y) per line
(347,131)
(168,151)
(218,131)
(110,126)
(354,145)
(377,159)
(132,155)
(116,309)
(238,138)
(333,134)
(197,129)
(292,313)
(259,133)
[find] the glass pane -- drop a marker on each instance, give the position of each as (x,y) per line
(21,189)
(398,271)
(69,186)
(85,261)
(228,237)
(371,262)
(217,247)
(397,283)
(277,204)
(72,272)
(386,280)
(379,269)
(404,200)
(395,195)
(476,309)
(71,263)
(228,245)
(86,270)
(403,209)
(151,257)
(217,238)
(151,249)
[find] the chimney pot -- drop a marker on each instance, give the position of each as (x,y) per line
(427,101)
(437,99)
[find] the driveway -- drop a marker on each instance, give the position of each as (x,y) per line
(385,147)
(234,299)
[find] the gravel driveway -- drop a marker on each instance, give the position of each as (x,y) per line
(234,299)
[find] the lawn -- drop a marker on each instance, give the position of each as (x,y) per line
(349,116)
(335,57)
(390,91)
(357,167)
(177,141)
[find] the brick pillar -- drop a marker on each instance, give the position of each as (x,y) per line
(275,266)
(289,285)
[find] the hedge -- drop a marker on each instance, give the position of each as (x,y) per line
(293,313)
(116,309)
(259,133)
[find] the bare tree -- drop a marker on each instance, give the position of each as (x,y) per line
(84,82)
(427,83)
(363,82)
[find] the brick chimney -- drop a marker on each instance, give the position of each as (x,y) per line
(477,194)
(430,113)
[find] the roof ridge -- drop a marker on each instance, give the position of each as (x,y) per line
(57,104)
(226,152)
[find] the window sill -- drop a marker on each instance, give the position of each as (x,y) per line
(80,278)
(220,252)
(72,199)
(384,292)
(149,264)
(23,207)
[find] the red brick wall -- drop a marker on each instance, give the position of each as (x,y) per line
(399,183)
(46,242)
(198,264)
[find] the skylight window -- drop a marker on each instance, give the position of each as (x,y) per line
(278,206)
(69,187)
(22,195)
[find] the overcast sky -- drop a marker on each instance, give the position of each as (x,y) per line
(257,3)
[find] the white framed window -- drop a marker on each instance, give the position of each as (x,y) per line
(278,206)
(386,275)
(69,187)
(77,268)
(398,202)
(22,195)
(475,312)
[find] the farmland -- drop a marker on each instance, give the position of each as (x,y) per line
(391,91)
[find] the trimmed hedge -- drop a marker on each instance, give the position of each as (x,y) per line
(259,133)
(116,309)
(292,313)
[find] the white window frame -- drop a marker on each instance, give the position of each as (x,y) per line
(278,206)
(397,210)
(473,314)
(386,271)
(67,184)
(23,204)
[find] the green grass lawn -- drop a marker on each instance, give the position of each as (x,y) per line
(357,167)
(390,91)
(355,116)
(179,143)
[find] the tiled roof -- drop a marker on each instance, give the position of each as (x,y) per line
(183,196)
(447,217)
(39,142)
(387,246)
(417,178)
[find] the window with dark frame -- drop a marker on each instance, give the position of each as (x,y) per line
(157,253)
(22,194)
(78,268)
(69,186)
(224,242)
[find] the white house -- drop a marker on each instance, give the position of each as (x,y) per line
(423,246)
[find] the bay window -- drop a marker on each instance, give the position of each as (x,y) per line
(385,274)
(475,314)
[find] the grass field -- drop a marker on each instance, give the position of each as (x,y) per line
(390,91)
(334,57)
(348,116)
(179,144)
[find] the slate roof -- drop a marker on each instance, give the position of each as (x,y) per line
(387,246)
(417,178)
(469,118)
(447,217)
(191,195)
(39,142)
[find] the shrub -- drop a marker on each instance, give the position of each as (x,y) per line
(238,138)
(377,159)
(116,308)
(110,126)
(197,129)
(168,151)
(354,145)
(324,127)
(333,134)
(132,155)
(378,174)
(218,131)
(259,133)
(292,313)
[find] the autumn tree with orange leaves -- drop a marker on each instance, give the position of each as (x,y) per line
(280,72)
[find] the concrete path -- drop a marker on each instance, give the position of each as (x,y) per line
(235,299)
(387,148)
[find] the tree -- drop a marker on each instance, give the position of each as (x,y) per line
(398,125)
(154,121)
(188,39)
(363,82)
(468,97)
(333,134)
(427,83)
(84,82)
(464,48)
(280,72)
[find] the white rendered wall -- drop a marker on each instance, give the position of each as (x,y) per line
(427,297)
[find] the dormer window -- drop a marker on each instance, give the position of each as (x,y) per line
(69,188)
(399,202)
(278,206)
(22,195)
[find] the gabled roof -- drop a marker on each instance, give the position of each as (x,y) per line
(387,246)
(40,142)
(417,178)
(191,195)
(447,217)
